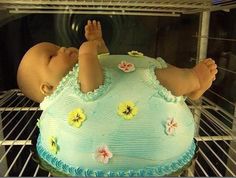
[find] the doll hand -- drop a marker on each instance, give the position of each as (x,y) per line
(93,30)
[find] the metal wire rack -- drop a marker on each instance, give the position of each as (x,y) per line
(216,136)
(116,7)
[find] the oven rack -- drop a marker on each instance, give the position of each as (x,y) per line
(116,7)
(215,134)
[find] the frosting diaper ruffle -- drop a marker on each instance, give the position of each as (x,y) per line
(161,91)
(93,95)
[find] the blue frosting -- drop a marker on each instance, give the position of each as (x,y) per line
(140,146)
(159,170)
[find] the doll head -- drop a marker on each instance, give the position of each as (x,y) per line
(42,68)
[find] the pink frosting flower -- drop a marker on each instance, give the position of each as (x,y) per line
(126,66)
(103,154)
(171,125)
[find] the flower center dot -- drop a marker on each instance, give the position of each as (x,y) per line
(128,110)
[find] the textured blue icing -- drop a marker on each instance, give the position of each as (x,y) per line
(72,171)
(111,174)
(159,170)
(175,166)
(138,143)
(131,173)
(65,168)
(141,173)
(121,173)
(54,161)
(78,171)
(99,173)
(150,171)
(59,164)
(88,173)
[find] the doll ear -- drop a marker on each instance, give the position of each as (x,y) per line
(46,89)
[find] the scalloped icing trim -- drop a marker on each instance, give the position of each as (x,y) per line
(93,95)
(162,91)
(159,170)
(72,78)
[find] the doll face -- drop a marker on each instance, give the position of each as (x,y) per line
(54,62)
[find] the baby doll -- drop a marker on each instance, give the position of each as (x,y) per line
(99,120)
(45,64)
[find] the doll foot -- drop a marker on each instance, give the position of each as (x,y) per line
(205,71)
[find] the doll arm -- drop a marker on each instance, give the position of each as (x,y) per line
(102,47)
(90,71)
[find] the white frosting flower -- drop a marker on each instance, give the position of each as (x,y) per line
(135,53)
(103,154)
(126,66)
(171,125)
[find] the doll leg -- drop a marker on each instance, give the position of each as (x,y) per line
(190,82)
(90,70)
(178,81)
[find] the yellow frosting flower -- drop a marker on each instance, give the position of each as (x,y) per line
(53,145)
(76,117)
(135,53)
(127,110)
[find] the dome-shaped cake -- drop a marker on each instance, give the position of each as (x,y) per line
(129,126)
